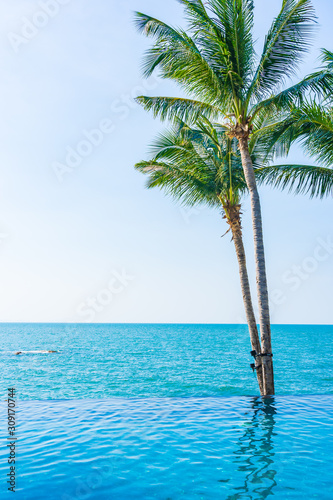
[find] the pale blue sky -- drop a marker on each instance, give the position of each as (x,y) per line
(63,243)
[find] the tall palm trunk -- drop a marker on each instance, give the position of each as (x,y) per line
(234,220)
(264,319)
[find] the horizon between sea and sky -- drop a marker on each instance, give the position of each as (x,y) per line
(81,239)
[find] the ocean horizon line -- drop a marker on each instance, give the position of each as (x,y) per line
(152,323)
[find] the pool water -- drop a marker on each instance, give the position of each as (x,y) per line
(173,448)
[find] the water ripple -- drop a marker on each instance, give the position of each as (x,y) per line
(174,448)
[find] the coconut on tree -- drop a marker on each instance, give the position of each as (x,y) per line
(214,62)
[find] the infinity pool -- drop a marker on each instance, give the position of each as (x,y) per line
(173,448)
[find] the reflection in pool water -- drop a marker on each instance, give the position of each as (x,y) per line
(256,444)
(174,448)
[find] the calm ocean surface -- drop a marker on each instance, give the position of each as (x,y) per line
(102,361)
(166,412)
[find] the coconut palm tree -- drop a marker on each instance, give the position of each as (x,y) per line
(202,166)
(215,63)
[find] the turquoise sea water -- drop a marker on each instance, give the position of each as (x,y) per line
(166,412)
(103,361)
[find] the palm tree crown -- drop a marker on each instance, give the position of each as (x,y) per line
(214,61)
(196,165)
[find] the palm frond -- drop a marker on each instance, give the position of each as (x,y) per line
(276,136)
(223,32)
(285,45)
(183,184)
(164,33)
(316,131)
(299,179)
(327,58)
(318,84)
(172,108)
(178,58)
(235,21)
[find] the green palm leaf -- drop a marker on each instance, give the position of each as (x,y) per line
(315,130)
(285,45)
(299,179)
(178,58)
(171,108)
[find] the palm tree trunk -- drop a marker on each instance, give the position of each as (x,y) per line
(236,229)
(264,319)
